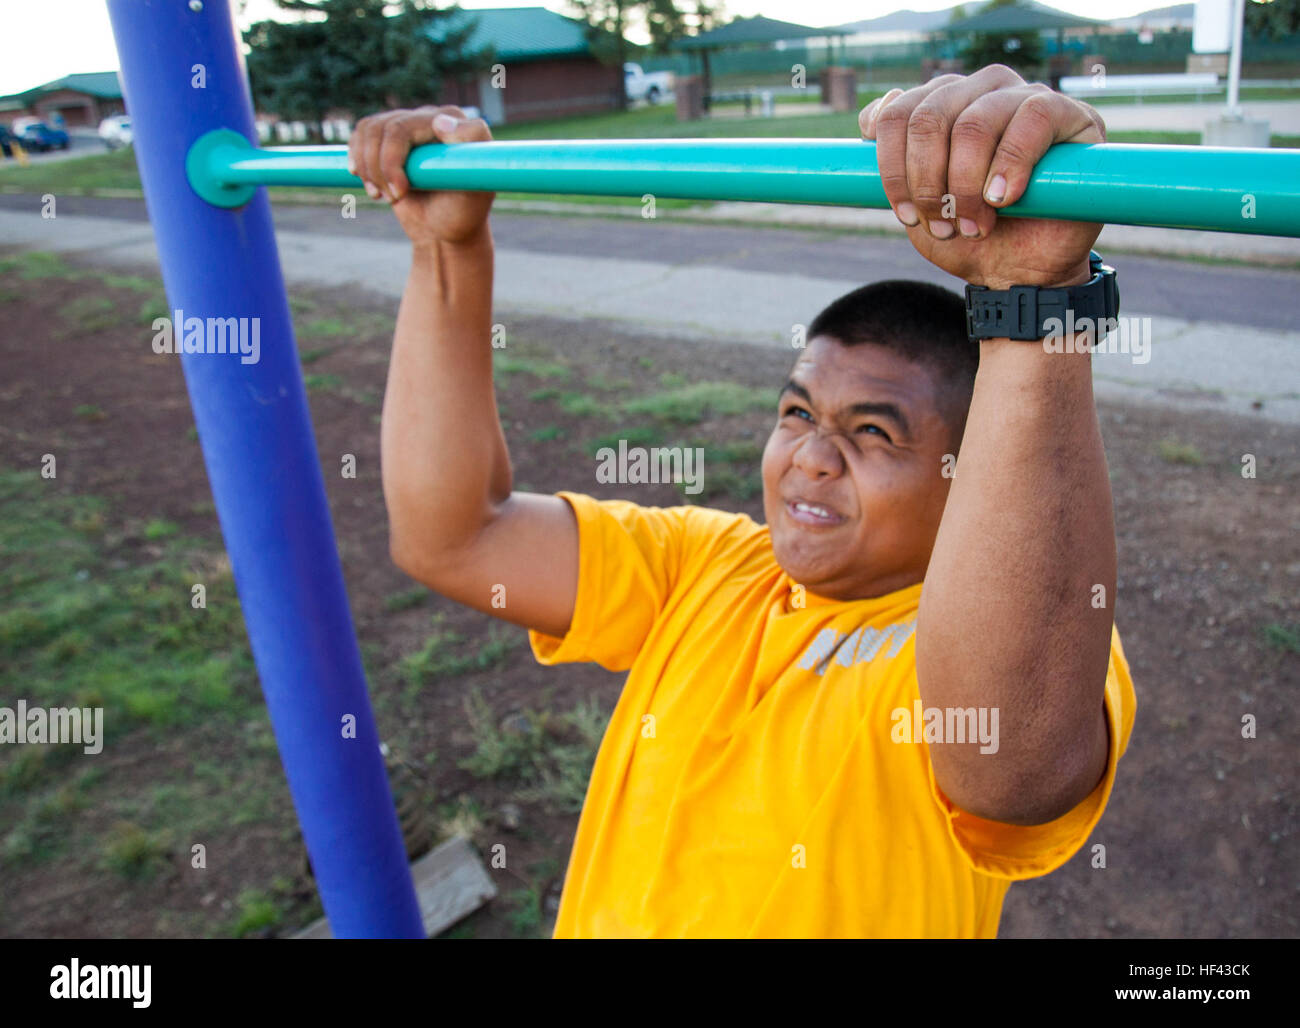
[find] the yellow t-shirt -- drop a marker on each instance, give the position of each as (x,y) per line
(749,784)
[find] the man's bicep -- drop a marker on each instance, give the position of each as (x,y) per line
(522,567)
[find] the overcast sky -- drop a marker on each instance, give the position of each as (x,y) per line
(50,38)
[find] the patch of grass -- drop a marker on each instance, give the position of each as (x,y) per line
(87,314)
(135,282)
(582,405)
(550,756)
(1283,637)
(503,365)
(80,626)
(153,309)
(498,752)
(24,772)
(88,412)
(312,356)
(725,481)
(38,264)
(546,434)
(461,930)
(159,529)
(545,395)
(406,600)
(112,170)
(564,773)
(609,385)
(135,853)
(301,305)
(42,832)
(316,383)
(463,816)
(689,404)
(444,655)
(645,363)
(525,915)
(739,451)
(257,910)
(327,327)
(1171,451)
(88,521)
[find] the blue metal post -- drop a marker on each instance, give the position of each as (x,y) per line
(183,75)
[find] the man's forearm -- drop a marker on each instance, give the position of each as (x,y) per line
(1007,616)
(444,457)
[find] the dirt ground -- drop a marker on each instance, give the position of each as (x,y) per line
(1200,834)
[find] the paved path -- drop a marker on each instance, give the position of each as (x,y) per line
(1283,116)
(755,285)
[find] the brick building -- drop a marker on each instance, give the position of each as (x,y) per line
(84,100)
(550,70)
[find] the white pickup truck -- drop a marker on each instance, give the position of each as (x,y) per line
(651,88)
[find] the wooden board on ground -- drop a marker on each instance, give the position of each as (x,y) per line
(450,883)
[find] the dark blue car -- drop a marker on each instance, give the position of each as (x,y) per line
(42,137)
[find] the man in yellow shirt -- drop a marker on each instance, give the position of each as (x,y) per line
(868,716)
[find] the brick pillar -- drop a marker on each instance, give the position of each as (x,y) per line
(842,85)
(1058,65)
(689,90)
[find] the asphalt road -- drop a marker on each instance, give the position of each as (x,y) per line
(1232,294)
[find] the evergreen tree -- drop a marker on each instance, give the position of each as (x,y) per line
(357,57)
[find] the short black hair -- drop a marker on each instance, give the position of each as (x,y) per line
(920,322)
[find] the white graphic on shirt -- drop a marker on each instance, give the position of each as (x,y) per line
(862,644)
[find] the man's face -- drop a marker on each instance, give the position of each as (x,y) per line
(853,488)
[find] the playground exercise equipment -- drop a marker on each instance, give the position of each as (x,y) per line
(188,95)
(1189,187)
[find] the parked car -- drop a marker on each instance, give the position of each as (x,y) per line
(36,135)
(651,88)
(115,131)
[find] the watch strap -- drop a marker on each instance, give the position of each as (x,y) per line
(1022,312)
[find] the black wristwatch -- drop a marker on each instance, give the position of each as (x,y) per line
(1022,312)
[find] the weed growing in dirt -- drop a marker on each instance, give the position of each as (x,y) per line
(406,600)
(134,852)
(1283,637)
(550,757)
(514,365)
(1171,451)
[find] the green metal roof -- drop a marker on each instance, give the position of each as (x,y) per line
(101,84)
(518,33)
(1020,17)
(753,30)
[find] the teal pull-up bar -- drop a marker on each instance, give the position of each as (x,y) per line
(1256,192)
